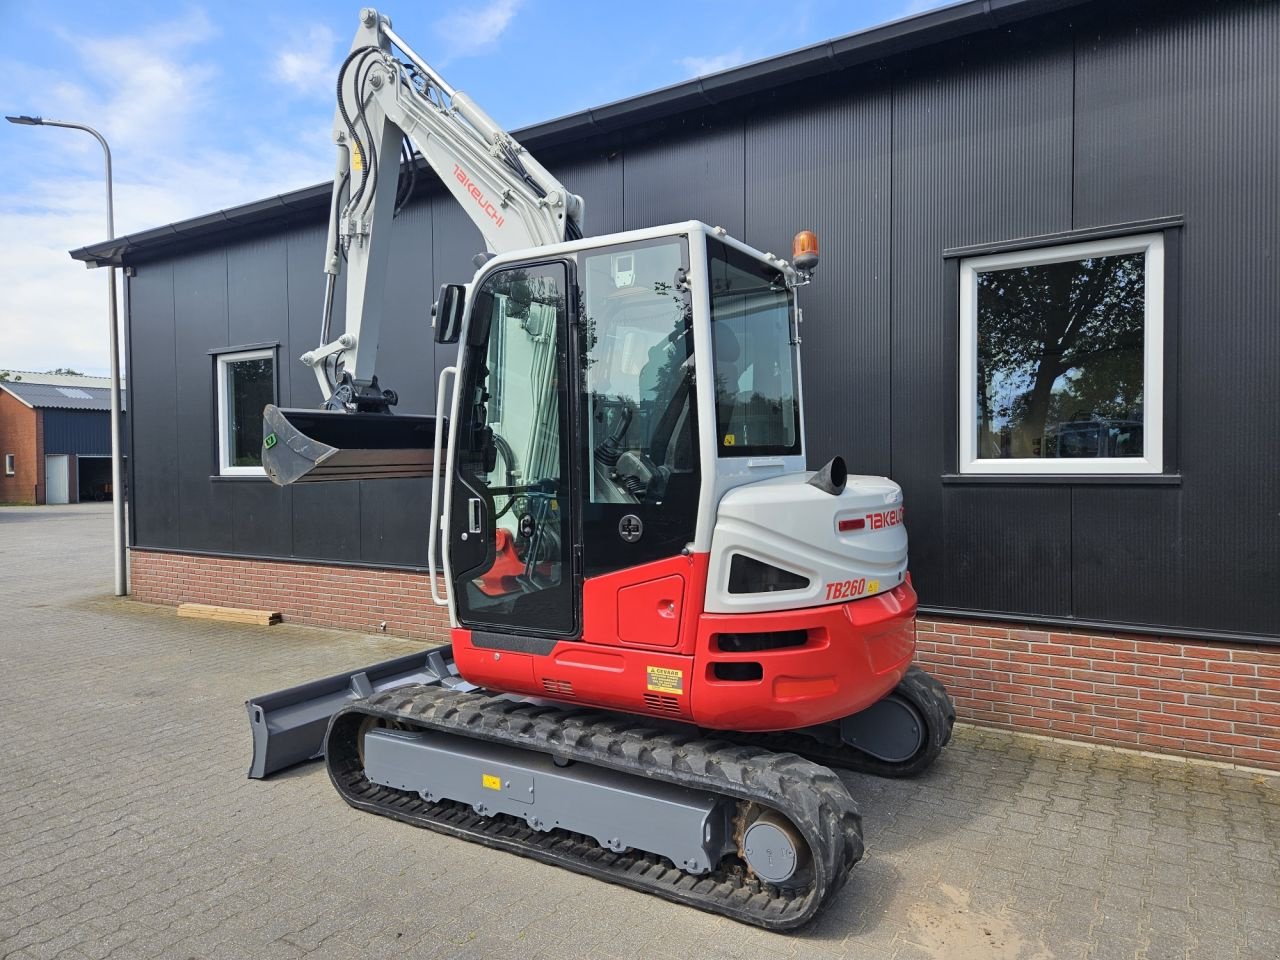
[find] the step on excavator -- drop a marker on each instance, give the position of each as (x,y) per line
(666,631)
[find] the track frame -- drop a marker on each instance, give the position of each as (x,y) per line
(810,796)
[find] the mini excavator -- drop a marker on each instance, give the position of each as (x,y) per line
(666,630)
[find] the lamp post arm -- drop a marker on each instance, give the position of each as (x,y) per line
(106,151)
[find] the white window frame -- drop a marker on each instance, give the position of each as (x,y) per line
(10,465)
(225,467)
(1152,460)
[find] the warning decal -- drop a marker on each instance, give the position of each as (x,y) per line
(490,782)
(665,680)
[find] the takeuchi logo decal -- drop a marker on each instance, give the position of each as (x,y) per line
(885,518)
(470,186)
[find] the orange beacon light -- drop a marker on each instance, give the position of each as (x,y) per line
(804,251)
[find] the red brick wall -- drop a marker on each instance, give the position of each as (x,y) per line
(1217,701)
(20,435)
(351,598)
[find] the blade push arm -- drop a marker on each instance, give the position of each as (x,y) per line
(384,102)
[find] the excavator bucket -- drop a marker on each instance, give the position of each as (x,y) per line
(302,446)
(289,725)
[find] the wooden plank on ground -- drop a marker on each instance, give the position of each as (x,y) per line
(205,611)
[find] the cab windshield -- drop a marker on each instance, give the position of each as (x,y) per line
(757,413)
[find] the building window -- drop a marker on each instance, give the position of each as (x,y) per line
(8,465)
(246,384)
(1062,359)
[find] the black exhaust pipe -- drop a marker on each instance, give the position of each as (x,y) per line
(831,478)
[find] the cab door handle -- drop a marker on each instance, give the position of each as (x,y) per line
(474,515)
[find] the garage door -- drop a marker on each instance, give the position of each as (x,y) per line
(56,470)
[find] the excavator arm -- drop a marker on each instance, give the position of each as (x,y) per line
(391,105)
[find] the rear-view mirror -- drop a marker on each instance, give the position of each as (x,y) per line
(447,312)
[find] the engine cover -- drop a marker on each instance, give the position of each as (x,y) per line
(845,547)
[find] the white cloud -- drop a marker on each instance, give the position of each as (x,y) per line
(308,64)
(476,31)
(152,93)
(701,66)
(146,86)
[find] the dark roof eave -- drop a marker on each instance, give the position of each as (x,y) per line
(114,253)
(900,36)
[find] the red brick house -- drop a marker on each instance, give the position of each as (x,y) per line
(55,440)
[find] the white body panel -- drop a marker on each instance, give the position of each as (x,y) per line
(788,523)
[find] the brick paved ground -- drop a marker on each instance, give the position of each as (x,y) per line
(131,831)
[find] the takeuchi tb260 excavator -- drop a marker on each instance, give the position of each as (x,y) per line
(665,629)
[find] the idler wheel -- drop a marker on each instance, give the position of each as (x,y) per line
(774,849)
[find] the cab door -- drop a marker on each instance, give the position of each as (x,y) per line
(511,543)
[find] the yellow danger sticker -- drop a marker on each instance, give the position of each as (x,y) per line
(357,161)
(873,586)
(665,680)
(730,439)
(490,782)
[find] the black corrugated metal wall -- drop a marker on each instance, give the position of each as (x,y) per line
(1069,122)
(81,431)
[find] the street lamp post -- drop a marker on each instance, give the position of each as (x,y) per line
(117,461)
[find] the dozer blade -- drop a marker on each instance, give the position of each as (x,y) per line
(289,725)
(301,446)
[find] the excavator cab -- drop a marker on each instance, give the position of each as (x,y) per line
(575,410)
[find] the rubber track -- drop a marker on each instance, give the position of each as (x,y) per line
(926,693)
(809,795)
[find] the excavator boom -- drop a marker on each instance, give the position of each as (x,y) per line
(389,108)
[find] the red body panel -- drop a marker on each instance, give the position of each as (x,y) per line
(647,647)
(632,607)
(854,654)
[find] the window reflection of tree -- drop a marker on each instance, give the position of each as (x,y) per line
(1058,343)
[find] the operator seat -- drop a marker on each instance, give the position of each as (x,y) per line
(727,354)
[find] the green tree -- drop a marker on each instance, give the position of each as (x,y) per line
(1078,325)
(66,372)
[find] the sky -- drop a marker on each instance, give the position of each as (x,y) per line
(209,105)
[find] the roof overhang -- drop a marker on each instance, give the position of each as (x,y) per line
(876,43)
